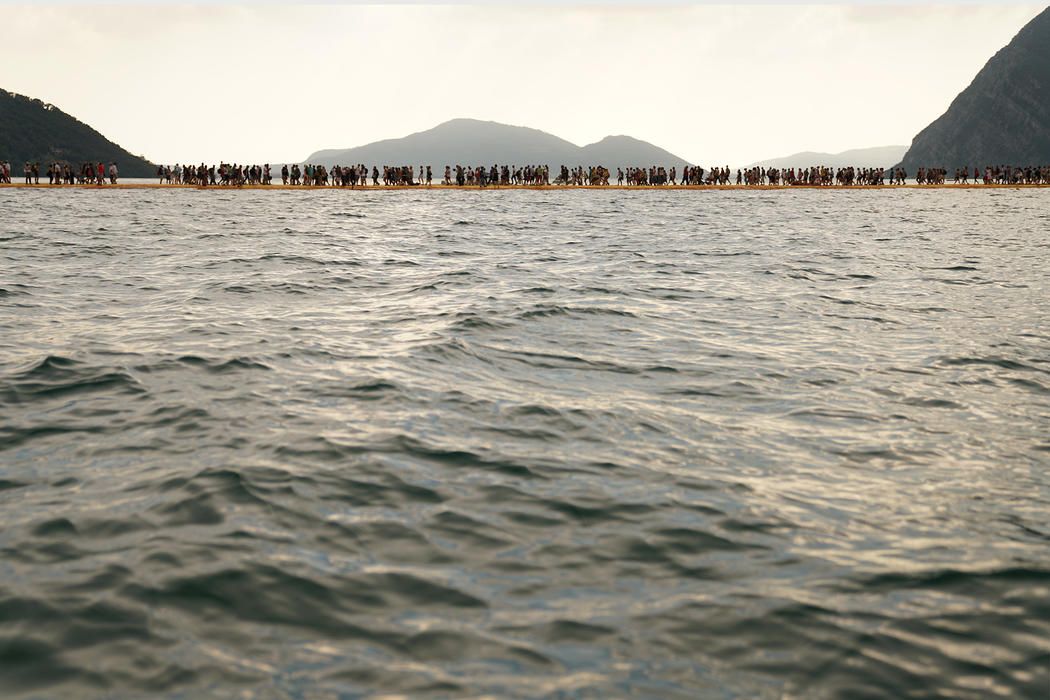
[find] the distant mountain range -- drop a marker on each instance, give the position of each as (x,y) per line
(878,157)
(31,130)
(1003,117)
(474,142)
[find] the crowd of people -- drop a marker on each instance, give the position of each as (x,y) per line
(204,175)
(506,175)
(60,173)
(360,175)
(992,175)
(591,176)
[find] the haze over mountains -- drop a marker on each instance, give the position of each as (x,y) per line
(1003,117)
(878,157)
(475,142)
(33,131)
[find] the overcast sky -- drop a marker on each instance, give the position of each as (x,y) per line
(712,84)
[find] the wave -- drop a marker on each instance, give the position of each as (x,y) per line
(57,377)
(650,448)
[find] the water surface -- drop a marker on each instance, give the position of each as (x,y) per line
(787,444)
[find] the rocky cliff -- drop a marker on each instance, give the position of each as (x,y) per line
(1003,117)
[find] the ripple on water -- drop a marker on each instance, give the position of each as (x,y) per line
(529,444)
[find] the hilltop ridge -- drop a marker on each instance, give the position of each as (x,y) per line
(475,142)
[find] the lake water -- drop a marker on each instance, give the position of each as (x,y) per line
(786,444)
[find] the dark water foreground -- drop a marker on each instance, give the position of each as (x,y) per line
(524,444)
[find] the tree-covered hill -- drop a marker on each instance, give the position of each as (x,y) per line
(31,130)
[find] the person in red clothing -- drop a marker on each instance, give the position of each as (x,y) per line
(101,174)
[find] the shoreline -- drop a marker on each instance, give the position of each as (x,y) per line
(469,188)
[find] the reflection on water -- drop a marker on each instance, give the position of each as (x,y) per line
(531,444)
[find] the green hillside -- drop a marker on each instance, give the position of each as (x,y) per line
(31,130)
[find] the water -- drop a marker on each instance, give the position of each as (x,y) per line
(524,444)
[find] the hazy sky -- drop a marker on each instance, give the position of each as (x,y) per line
(713,84)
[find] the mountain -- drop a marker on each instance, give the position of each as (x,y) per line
(1003,117)
(31,130)
(474,142)
(878,157)
(624,151)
